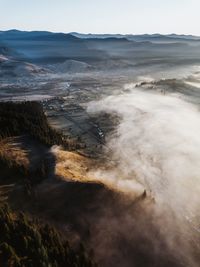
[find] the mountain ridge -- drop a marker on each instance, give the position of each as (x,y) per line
(14,32)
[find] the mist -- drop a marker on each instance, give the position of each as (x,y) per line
(155,150)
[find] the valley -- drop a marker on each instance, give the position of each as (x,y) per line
(99,138)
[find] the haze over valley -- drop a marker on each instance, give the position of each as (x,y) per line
(100,139)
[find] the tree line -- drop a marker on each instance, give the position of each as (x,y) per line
(29,118)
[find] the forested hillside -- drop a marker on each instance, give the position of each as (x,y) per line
(25,243)
(29,118)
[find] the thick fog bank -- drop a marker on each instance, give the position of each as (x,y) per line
(156,147)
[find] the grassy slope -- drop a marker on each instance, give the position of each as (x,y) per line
(25,162)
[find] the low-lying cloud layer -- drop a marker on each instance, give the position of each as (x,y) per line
(157,148)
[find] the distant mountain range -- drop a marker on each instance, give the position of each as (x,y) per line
(141,37)
(46,35)
(84,52)
(35,36)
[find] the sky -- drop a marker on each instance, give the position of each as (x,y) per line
(102,16)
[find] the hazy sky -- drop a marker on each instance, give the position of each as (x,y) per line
(102,16)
